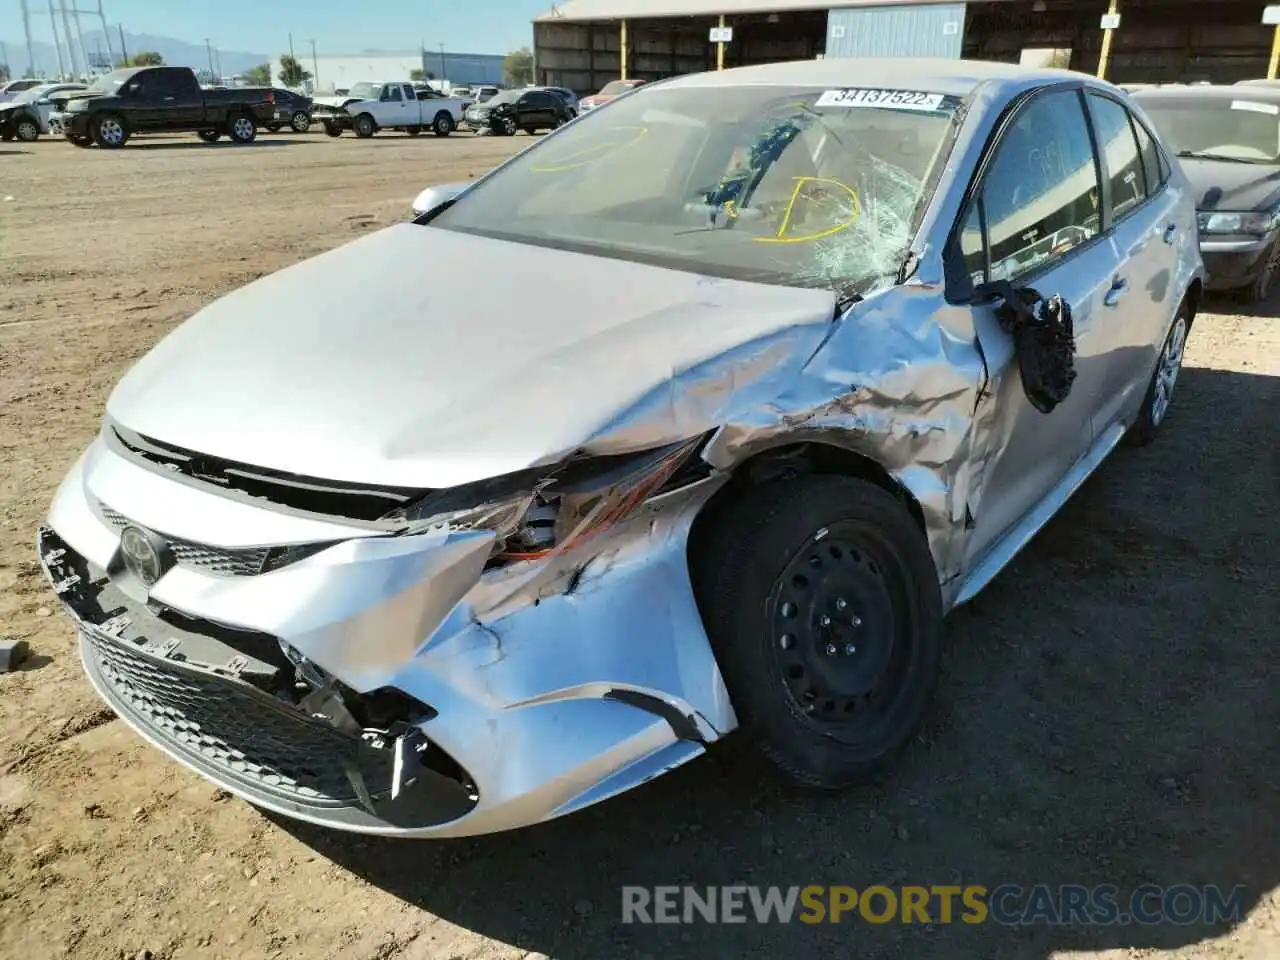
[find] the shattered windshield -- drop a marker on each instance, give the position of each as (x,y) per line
(365,91)
(794,186)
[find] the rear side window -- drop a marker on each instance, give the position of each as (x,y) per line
(1116,142)
(1040,193)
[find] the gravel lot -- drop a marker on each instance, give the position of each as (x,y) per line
(1108,712)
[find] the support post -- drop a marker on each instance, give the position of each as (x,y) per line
(57,45)
(622,52)
(1105,56)
(26,27)
(720,47)
(1275,54)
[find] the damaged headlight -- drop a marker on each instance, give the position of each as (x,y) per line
(1252,224)
(536,513)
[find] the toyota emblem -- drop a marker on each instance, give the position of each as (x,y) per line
(144,554)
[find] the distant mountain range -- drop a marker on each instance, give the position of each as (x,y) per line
(177,53)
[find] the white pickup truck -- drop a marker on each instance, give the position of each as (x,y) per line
(369,107)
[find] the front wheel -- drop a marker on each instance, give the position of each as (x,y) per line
(300,122)
(209,136)
(1260,289)
(1159,395)
(28,130)
(821,601)
(332,130)
(243,129)
(109,132)
(364,126)
(443,125)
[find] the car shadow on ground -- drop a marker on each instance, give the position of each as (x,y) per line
(12,153)
(1229,303)
(260,143)
(1107,715)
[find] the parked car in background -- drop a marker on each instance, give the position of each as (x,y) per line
(739,451)
(514,110)
(1228,140)
(12,88)
(293,111)
(388,105)
(564,93)
(28,114)
(608,92)
(485,92)
(162,100)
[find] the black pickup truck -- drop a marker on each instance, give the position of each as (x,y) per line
(163,100)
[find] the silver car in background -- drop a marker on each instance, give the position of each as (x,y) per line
(761,393)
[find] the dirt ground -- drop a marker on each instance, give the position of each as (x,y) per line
(1108,712)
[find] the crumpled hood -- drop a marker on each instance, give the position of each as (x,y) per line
(1221,185)
(392,361)
(336,102)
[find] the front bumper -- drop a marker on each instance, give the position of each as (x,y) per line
(340,120)
(76,125)
(1234,263)
(547,688)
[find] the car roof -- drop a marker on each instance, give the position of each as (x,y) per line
(955,77)
(1257,93)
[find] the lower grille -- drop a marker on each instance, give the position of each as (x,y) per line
(234,730)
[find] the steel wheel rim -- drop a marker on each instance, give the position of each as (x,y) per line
(112,132)
(243,128)
(301,122)
(28,130)
(442,124)
(840,643)
(1167,371)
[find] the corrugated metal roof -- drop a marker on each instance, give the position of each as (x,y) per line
(572,10)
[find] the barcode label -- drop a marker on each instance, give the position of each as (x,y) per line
(891,99)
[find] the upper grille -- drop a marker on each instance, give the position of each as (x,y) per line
(241,733)
(246,562)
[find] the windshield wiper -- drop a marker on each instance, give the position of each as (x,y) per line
(1205,155)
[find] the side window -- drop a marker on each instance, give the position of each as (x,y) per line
(1040,193)
(1117,144)
(1150,152)
(972,246)
(391,93)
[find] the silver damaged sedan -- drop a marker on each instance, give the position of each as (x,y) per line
(765,371)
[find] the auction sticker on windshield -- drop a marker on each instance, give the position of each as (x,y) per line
(888,99)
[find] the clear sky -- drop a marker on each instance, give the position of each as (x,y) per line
(337,26)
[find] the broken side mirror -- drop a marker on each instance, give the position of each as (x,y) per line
(436,197)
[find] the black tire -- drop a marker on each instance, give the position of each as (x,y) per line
(443,124)
(27,130)
(300,121)
(273,128)
(209,136)
(505,127)
(332,130)
(242,128)
(365,126)
(84,143)
(1264,283)
(109,131)
(413,131)
(1159,396)
(792,570)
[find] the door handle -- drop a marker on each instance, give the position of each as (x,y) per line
(1119,286)
(1170,232)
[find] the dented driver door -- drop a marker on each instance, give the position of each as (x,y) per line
(1036,224)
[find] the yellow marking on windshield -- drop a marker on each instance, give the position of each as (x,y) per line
(854,213)
(595,152)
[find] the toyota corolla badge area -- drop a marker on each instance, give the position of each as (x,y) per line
(785,362)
